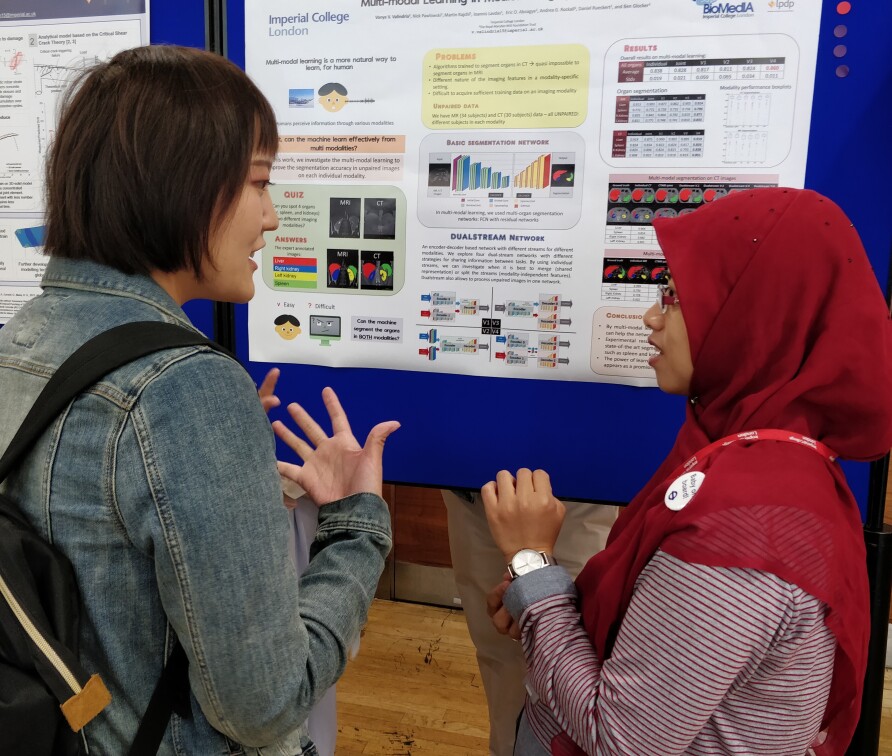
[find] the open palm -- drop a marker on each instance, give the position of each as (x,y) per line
(335,466)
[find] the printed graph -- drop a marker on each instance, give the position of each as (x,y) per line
(480,172)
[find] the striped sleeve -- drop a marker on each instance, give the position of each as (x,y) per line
(707,660)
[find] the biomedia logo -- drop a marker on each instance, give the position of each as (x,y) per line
(724,8)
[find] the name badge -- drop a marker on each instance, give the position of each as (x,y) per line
(682,490)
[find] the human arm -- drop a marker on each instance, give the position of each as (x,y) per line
(262,647)
(692,637)
(521,513)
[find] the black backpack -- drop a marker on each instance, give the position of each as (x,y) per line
(46,697)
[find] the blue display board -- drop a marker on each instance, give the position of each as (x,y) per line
(178,23)
(601,442)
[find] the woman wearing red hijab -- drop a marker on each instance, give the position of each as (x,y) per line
(729,612)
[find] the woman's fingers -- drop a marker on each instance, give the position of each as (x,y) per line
(339,422)
(504,483)
(312,430)
(287,470)
(300,447)
(315,433)
(494,597)
(541,482)
(488,494)
(524,480)
(269,402)
(502,621)
(266,392)
(268,387)
(514,631)
(501,618)
(379,434)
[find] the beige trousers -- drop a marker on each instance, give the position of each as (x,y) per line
(478,566)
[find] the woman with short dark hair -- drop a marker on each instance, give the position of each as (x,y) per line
(160,483)
(152,147)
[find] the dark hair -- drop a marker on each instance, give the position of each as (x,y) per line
(332,87)
(282,319)
(152,148)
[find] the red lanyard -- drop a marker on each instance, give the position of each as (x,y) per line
(764,434)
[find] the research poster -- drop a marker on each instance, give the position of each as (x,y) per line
(469,186)
(44,44)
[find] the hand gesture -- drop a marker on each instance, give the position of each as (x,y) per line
(266,392)
(521,512)
(333,467)
(501,618)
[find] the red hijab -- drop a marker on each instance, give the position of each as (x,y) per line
(788,329)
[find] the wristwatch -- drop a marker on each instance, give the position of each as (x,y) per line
(527,560)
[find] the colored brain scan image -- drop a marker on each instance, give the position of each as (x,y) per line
(618,215)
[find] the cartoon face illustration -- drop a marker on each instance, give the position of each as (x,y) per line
(326,325)
(333,96)
(287,326)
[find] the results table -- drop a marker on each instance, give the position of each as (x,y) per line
(707,69)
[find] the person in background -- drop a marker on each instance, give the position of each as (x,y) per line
(303,523)
(477,565)
(160,484)
(729,612)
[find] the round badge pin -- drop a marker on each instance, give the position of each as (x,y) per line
(682,490)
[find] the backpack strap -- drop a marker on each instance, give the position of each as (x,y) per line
(171,694)
(96,358)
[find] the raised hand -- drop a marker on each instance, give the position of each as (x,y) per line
(522,512)
(335,466)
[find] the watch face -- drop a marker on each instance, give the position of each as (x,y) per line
(526,560)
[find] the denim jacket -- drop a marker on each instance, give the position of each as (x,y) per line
(160,485)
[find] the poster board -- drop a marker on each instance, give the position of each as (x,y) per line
(600,440)
(42,45)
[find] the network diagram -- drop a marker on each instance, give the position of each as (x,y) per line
(520,333)
(444,306)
